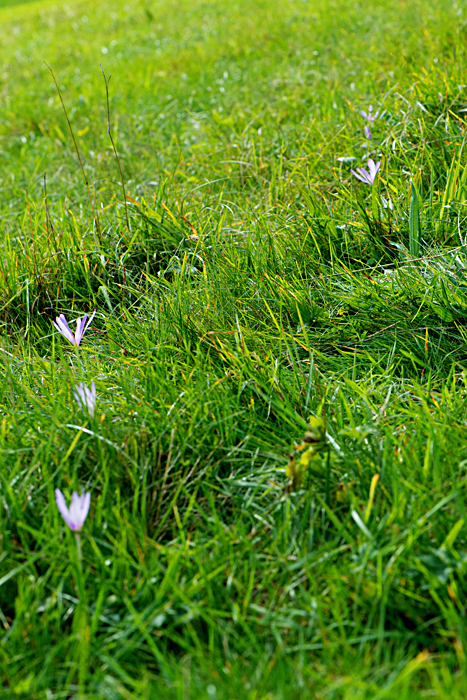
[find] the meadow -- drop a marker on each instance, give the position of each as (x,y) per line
(276,454)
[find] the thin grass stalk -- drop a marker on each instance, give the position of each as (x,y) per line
(109,131)
(93,205)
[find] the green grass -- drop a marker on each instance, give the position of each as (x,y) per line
(256,284)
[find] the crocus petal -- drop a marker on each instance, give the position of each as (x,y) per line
(357,175)
(62,326)
(85,505)
(79,509)
(74,511)
(81,326)
(374,167)
(78,393)
(80,323)
(62,319)
(90,321)
(367,132)
(363,175)
(86,397)
(91,394)
(66,331)
(90,399)
(364,114)
(61,505)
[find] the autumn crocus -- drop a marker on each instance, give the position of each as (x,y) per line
(369,115)
(76,514)
(82,324)
(364,175)
(86,397)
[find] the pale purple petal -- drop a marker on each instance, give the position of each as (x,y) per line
(74,511)
(78,393)
(86,397)
(61,322)
(367,132)
(61,505)
(362,175)
(92,393)
(364,114)
(79,509)
(85,505)
(62,326)
(80,323)
(81,326)
(374,167)
(359,177)
(91,398)
(82,504)
(90,321)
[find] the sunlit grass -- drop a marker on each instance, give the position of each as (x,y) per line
(256,283)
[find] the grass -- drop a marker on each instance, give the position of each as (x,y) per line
(247,282)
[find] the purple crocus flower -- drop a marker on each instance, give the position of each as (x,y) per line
(76,514)
(364,175)
(367,132)
(369,115)
(62,326)
(86,397)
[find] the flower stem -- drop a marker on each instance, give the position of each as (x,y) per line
(78,549)
(80,363)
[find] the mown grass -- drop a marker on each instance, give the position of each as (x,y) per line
(256,284)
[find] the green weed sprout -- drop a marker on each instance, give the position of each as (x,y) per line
(306,461)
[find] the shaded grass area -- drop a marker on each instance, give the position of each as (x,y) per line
(256,284)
